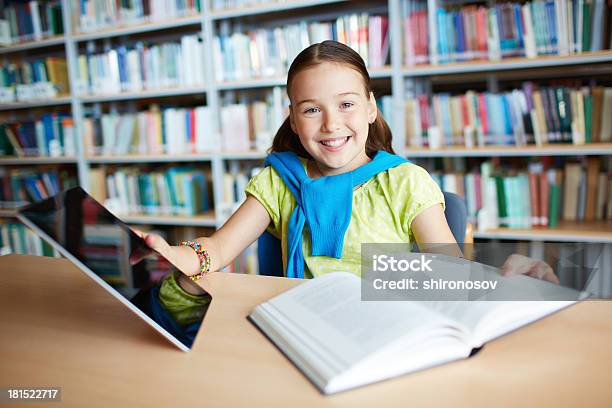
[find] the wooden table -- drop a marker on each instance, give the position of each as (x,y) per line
(60,329)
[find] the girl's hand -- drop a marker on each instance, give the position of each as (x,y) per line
(522,265)
(155,242)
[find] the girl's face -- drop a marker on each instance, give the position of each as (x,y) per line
(331,113)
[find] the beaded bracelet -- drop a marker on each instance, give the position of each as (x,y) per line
(202,256)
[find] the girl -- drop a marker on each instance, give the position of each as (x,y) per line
(333,183)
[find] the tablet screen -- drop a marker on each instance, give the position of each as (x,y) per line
(106,246)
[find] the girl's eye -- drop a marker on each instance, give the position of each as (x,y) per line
(346,105)
(311,110)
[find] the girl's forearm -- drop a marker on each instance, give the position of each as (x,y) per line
(187,261)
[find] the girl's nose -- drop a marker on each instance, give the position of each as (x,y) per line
(331,123)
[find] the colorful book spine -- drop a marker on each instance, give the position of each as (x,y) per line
(241,55)
(539,196)
(511,29)
(183,191)
(52,135)
(528,116)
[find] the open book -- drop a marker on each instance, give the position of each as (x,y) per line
(340,342)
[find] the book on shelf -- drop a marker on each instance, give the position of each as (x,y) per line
(416,32)
(182,191)
(539,196)
(531,115)
(234,184)
(19,186)
(38,79)
(248,126)
(219,5)
(140,65)
(341,342)
(168,130)
(18,239)
(511,29)
(31,20)
(91,15)
(268,52)
(50,136)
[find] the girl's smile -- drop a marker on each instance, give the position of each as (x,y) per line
(335,144)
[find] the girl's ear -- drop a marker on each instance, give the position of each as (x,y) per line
(372,109)
(291,121)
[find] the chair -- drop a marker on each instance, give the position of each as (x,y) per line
(269,248)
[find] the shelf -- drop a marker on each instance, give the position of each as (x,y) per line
(4,213)
(252,83)
(128,29)
(384,72)
(37,160)
(507,64)
(566,231)
(65,100)
(593,149)
(148,158)
(30,45)
(269,8)
(157,93)
(243,155)
(205,220)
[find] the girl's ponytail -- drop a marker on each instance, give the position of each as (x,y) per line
(379,137)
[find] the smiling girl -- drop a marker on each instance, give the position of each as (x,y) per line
(332,183)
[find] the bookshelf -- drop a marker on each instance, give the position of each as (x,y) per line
(397,80)
(512,151)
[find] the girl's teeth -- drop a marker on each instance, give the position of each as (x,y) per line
(335,142)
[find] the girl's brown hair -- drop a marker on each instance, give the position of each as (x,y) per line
(379,134)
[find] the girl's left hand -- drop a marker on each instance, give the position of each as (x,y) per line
(522,265)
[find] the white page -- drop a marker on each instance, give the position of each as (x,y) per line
(330,312)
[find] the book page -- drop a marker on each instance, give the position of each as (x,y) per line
(330,312)
(514,301)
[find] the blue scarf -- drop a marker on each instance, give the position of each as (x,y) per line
(325,204)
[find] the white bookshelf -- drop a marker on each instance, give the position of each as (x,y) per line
(594,149)
(507,64)
(397,74)
(145,94)
(64,100)
(273,7)
(148,158)
(29,161)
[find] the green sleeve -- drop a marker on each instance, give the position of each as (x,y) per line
(184,307)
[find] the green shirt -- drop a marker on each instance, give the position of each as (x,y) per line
(383,210)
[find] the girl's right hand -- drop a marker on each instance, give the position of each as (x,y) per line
(155,242)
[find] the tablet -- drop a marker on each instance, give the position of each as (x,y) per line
(110,253)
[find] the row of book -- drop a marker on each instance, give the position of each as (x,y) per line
(17,239)
(155,131)
(91,15)
(52,135)
(509,29)
(245,127)
(30,21)
(34,80)
(141,65)
(27,185)
(235,181)
(218,5)
(184,191)
(530,115)
(268,52)
(537,196)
